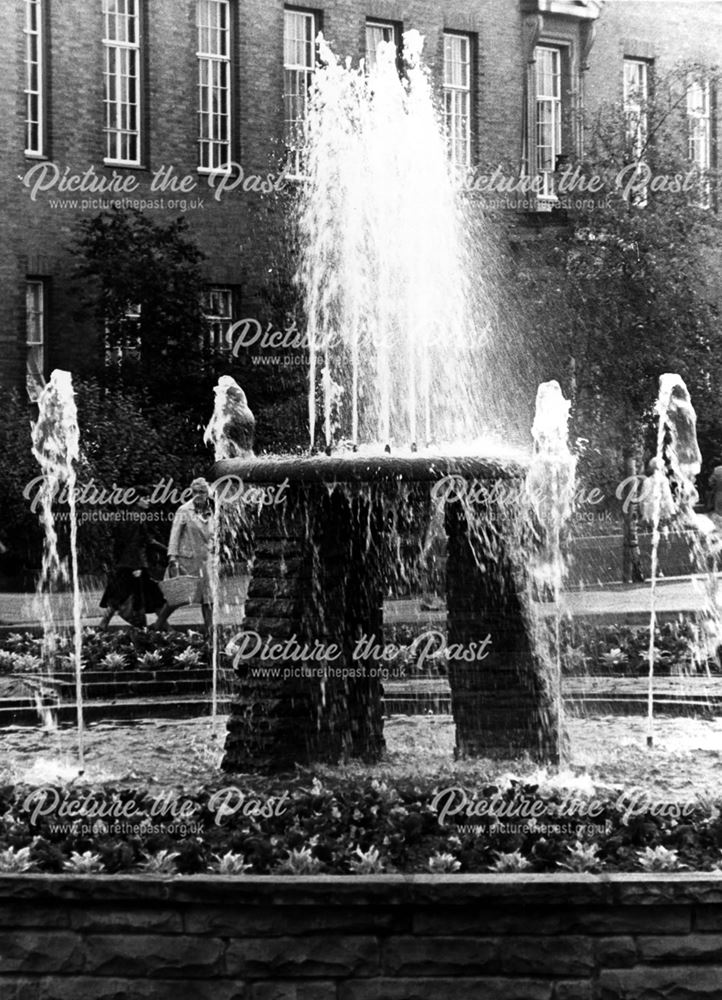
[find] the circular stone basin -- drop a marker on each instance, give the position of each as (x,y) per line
(356,467)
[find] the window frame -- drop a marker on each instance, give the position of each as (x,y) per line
(38,93)
(395,30)
(219,341)
(695,119)
(36,347)
(214,85)
(555,101)
(113,129)
(451,90)
(298,91)
(637,131)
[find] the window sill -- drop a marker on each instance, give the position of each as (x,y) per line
(124,164)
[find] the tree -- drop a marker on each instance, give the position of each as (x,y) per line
(640,268)
(143,282)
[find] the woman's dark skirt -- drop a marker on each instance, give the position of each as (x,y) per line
(122,586)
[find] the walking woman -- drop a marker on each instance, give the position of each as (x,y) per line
(131,591)
(190,549)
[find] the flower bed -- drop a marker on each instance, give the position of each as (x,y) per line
(357,825)
(624,649)
(590,648)
(112,650)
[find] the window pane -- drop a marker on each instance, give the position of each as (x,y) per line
(299,62)
(122,90)
(34,69)
(548,138)
(376,34)
(457,99)
(214,76)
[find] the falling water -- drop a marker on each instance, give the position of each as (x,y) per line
(56,446)
(383,267)
(230,433)
(549,490)
(678,452)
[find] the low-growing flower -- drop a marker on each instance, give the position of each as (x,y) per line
(366,862)
(151,659)
(230,864)
(300,861)
(582,858)
(160,863)
(443,863)
(86,863)
(189,657)
(114,661)
(26,663)
(659,859)
(12,860)
(514,861)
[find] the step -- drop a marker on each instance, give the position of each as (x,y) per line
(127,710)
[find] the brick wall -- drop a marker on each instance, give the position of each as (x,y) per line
(511,937)
(243,235)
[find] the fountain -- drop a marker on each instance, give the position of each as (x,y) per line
(230,433)
(394,360)
(55,445)
(549,492)
(678,462)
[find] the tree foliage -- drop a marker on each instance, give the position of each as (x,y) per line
(641,270)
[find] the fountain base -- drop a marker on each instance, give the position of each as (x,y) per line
(348,529)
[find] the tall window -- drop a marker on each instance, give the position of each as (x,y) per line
(214,83)
(122,81)
(35,337)
(457,99)
(377,32)
(218,309)
(700,135)
(548,117)
(299,60)
(636,97)
(34,79)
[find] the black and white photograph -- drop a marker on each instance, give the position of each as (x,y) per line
(360,500)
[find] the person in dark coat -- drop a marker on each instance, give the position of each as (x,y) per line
(131,591)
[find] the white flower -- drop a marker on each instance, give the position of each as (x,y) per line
(366,862)
(300,862)
(582,858)
(659,859)
(16,861)
(231,864)
(83,864)
(512,862)
(160,863)
(440,863)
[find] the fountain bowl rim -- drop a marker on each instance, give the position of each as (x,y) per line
(358,467)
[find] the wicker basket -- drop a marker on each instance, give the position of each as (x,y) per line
(179,589)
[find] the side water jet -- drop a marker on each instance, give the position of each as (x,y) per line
(549,489)
(230,433)
(56,446)
(677,461)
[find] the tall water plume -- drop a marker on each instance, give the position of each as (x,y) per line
(383,267)
(56,446)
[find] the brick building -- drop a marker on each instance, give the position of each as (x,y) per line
(141,100)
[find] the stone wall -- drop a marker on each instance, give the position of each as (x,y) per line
(543,937)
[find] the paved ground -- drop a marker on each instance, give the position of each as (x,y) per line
(629,602)
(614,602)
(20,610)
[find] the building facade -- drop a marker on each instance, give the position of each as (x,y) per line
(192,107)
